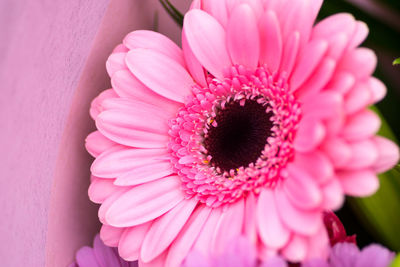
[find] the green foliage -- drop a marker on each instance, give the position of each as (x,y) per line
(175,14)
(396,261)
(396,61)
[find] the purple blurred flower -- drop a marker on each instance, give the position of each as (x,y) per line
(100,256)
(348,255)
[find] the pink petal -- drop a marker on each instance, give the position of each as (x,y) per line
(359,183)
(100,189)
(337,46)
(270,41)
(160,73)
(325,104)
(272,232)
(205,238)
(157,262)
(363,154)
(301,189)
(132,128)
(85,257)
(96,143)
(242,37)
(229,227)
(332,25)
(156,42)
(105,255)
(119,160)
(309,135)
(128,86)
(334,125)
(318,245)
(165,229)
(111,235)
(361,125)
(187,237)
(115,62)
(217,9)
(309,59)
(361,62)
(109,201)
(145,173)
(193,65)
(289,54)
(316,164)
(333,196)
(337,150)
(318,80)
(358,98)
(131,241)
(96,106)
(250,223)
(341,82)
(377,90)
(296,249)
(145,202)
(121,48)
(300,221)
(207,39)
(388,154)
(359,35)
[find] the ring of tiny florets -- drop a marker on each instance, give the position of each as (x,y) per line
(189,156)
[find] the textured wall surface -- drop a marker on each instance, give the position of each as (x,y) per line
(52,56)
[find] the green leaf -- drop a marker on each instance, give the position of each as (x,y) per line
(396,61)
(396,261)
(380,213)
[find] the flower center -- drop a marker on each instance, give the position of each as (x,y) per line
(234,136)
(240,135)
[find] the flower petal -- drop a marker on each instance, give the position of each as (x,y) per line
(358,98)
(115,62)
(359,183)
(193,65)
(96,106)
(318,245)
(145,173)
(270,41)
(388,154)
(363,154)
(242,37)
(272,232)
(338,151)
(325,104)
(296,249)
(131,241)
(207,39)
(229,227)
(154,41)
(361,125)
(361,62)
(289,53)
(119,160)
(250,223)
(301,189)
(160,73)
(85,257)
(333,196)
(309,59)
(359,35)
(377,90)
(100,189)
(128,86)
(186,238)
(111,235)
(300,221)
(145,202)
(96,143)
(165,229)
(310,134)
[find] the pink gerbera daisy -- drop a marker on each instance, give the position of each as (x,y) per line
(255,127)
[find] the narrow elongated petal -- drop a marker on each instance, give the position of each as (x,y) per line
(388,154)
(270,41)
(160,73)
(361,125)
(207,39)
(116,62)
(243,38)
(359,183)
(272,232)
(111,235)
(100,189)
(131,241)
(154,41)
(296,249)
(165,229)
(145,202)
(96,143)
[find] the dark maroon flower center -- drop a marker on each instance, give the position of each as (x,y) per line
(240,135)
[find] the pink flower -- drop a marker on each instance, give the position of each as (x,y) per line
(255,127)
(100,256)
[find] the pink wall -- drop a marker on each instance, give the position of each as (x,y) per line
(52,57)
